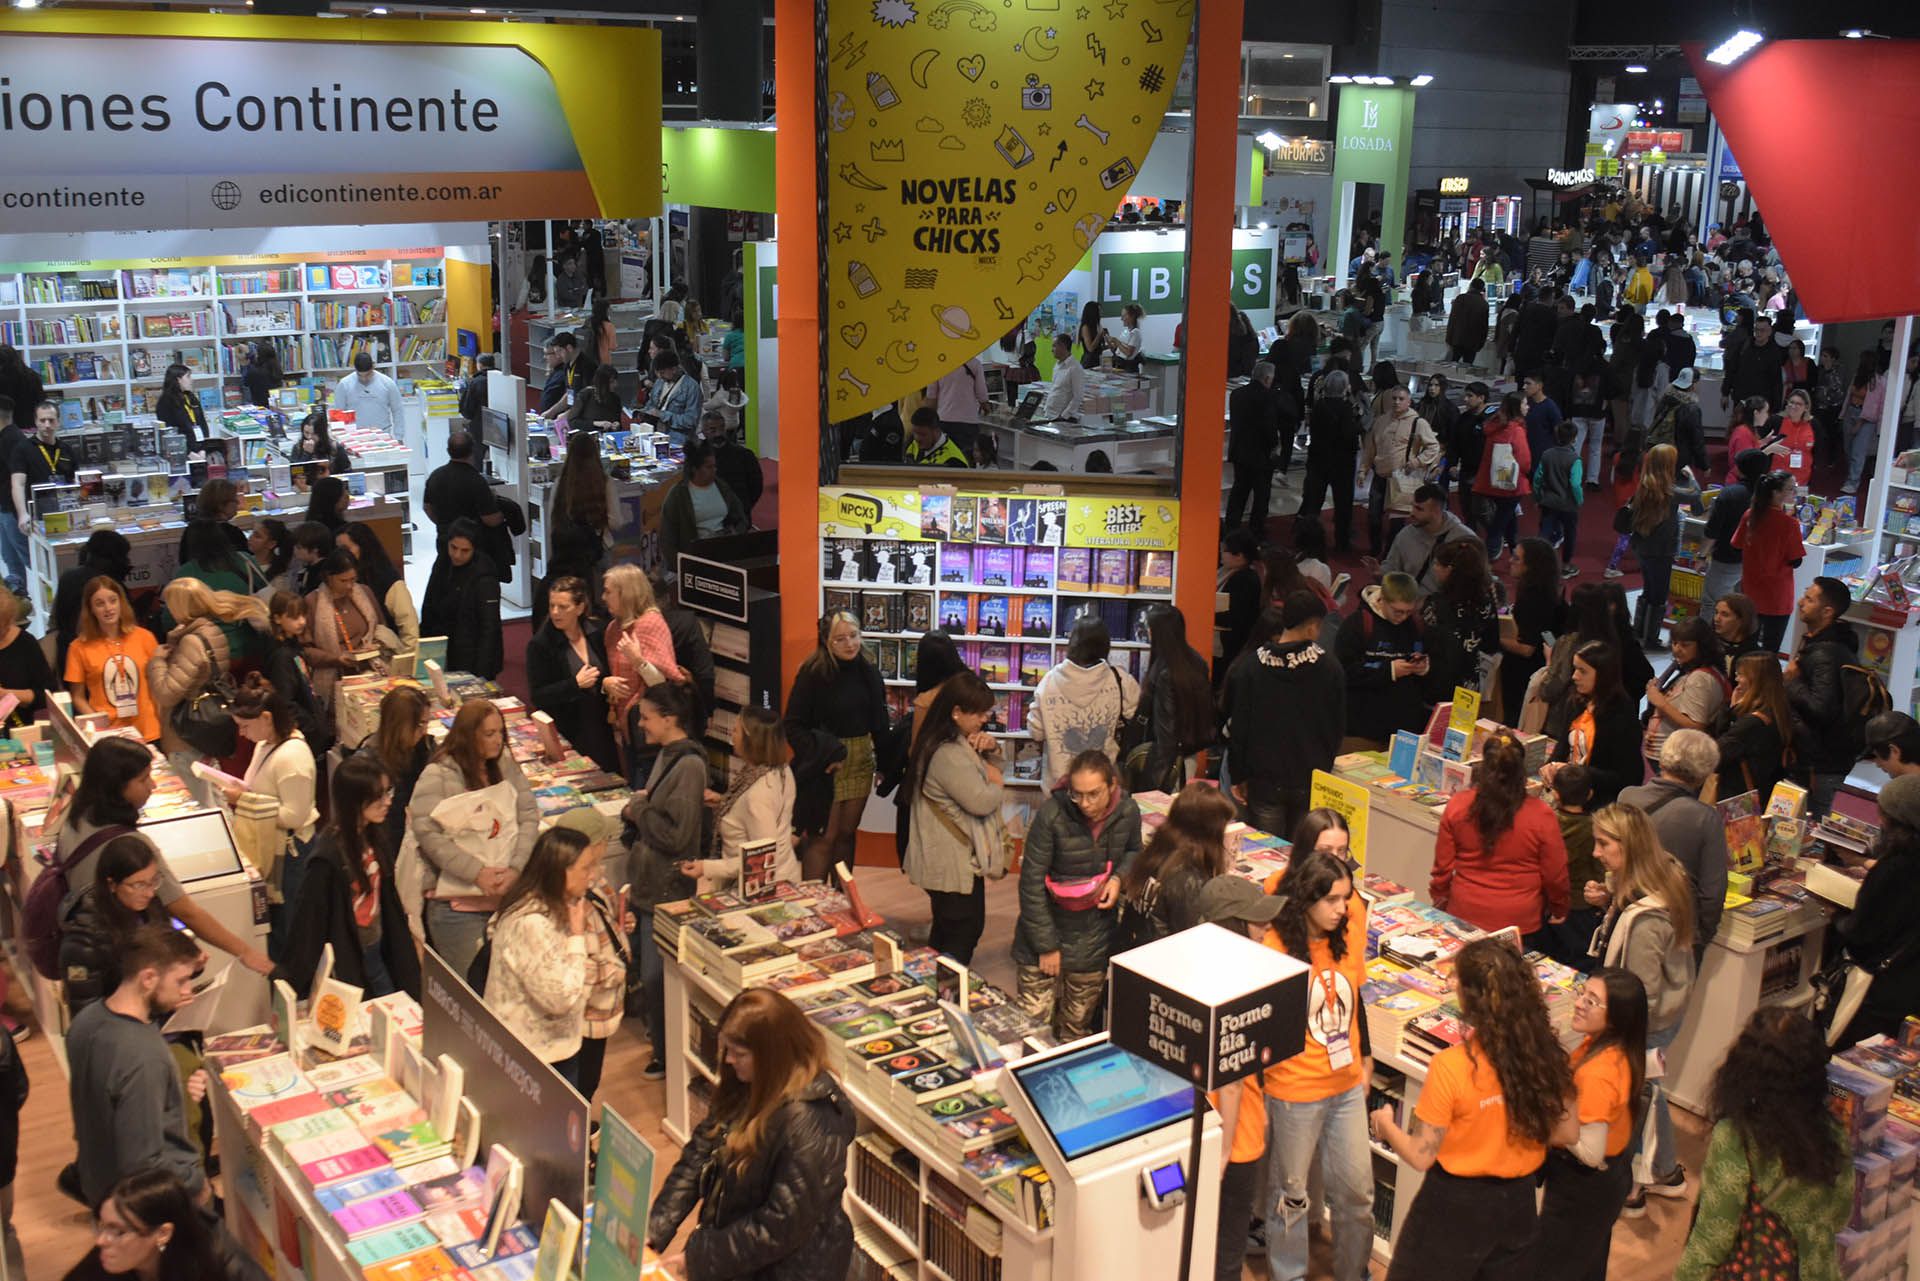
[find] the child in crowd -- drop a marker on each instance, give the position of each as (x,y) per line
(1310,553)
(1573,796)
(1626,479)
(1558,486)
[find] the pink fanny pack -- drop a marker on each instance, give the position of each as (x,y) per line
(1080,893)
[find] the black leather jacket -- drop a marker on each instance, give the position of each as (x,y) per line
(1817,699)
(779,1219)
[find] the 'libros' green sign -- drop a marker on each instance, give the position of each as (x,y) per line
(1157,281)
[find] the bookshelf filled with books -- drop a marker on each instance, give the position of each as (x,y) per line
(103,336)
(1006,574)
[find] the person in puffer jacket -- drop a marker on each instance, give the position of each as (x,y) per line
(1080,842)
(768,1166)
(1381,650)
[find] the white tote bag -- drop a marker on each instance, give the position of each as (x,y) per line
(485,824)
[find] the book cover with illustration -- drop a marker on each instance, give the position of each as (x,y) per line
(1036,616)
(1075,570)
(956,614)
(919,615)
(956,563)
(991,616)
(936,515)
(916,563)
(1051,522)
(1156,572)
(1035,662)
(965,520)
(996,663)
(1022,521)
(1113,571)
(1036,571)
(993,519)
(996,567)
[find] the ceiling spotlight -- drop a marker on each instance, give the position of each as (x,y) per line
(26,4)
(1339,80)
(1421,81)
(1269,139)
(1636,68)
(1856,33)
(1735,47)
(378,13)
(1383,80)
(1262,226)
(481,12)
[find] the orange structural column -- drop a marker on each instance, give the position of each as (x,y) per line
(1210,219)
(796,145)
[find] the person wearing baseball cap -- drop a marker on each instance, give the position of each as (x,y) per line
(1878,932)
(1237,904)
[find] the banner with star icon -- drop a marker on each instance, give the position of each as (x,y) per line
(975,150)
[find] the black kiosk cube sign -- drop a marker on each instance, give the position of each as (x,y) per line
(1209,1005)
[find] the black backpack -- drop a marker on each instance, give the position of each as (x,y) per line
(1863,696)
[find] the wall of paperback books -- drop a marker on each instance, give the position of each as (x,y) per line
(1005,573)
(101,335)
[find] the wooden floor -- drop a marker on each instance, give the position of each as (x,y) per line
(55,1232)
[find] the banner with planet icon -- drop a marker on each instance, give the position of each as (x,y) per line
(975,150)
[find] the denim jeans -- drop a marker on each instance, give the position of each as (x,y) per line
(14,551)
(1505,530)
(1334,1130)
(653,990)
(456,936)
(1657,1157)
(1562,529)
(1863,439)
(1589,439)
(379,982)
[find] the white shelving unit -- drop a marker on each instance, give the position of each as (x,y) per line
(209,313)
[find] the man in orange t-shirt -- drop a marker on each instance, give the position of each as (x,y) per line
(1237,904)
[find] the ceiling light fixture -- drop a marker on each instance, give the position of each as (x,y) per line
(1421,81)
(1269,139)
(1856,33)
(1636,68)
(1735,47)
(26,4)
(378,13)
(1339,80)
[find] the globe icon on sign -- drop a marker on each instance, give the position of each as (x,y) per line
(226,195)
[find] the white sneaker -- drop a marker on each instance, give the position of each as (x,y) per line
(1614,572)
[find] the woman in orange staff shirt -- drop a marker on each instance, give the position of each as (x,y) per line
(1238,905)
(1317,1100)
(1588,1181)
(1491,1107)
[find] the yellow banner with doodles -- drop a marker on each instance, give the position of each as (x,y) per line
(975,151)
(1151,523)
(870,513)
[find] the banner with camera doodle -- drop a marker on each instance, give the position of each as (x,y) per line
(975,151)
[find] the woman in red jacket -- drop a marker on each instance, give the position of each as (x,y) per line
(1769,537)
(1499,860)
(1796,433)
(1502,478)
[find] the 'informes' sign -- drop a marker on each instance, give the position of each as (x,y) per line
(715,588)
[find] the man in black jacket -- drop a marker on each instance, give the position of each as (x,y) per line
(1816,695)
(1469,441)
(1533,333)
(1253,430)
(1286,714)
(1755,369)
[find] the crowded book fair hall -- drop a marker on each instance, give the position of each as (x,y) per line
(959,640)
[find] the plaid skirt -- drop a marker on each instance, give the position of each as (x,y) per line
(853,781)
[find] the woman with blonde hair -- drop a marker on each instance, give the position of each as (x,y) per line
(639,649)
(768,1166)
(1648,929)
(195,655)
(1755,746)
(107,661)
(1654,531)
(758,805)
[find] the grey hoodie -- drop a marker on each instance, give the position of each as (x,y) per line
(1413,549)
(1077,709)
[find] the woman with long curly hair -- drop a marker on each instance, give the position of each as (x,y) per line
(1491,1107)
(1775,1140)
(1648,928)
(1588,1180)
(769,1164)
(1317,1100)
(1500,859)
